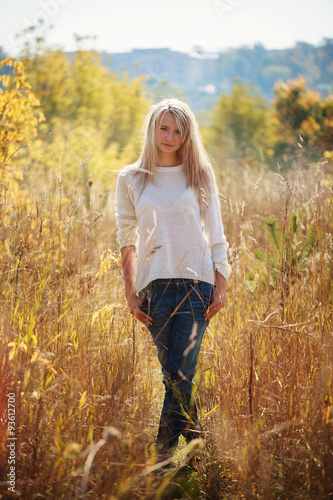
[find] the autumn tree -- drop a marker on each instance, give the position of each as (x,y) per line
(326,113)
(303,122)
(92,116)
(241,125)
(77,87)
(20,115)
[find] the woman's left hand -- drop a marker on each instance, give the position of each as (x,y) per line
(219,296)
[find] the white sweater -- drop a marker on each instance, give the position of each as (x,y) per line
(173,237)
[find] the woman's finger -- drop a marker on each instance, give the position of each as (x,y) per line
(142,316)
(146,320)
(213,309)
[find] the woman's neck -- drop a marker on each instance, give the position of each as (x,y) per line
(165,161)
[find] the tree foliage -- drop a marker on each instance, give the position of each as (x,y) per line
(298,123)
(92,117)
(302,119)
(20,114)
(241,124)
(79,89)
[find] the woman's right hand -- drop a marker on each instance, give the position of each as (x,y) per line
(134,304)
(133,301)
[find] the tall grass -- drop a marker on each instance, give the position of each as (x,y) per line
(86,377)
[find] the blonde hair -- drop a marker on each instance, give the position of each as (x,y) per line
(193,156)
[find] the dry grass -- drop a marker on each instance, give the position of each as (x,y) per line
(86,379)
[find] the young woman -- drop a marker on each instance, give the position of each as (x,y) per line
(174,255)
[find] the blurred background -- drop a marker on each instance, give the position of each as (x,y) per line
(192,47)
(258,74)
(76,80)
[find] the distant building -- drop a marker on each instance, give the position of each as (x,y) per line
(195,73)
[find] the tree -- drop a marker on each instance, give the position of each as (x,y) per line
(242,124)
(302,120)
(49,73)
(92,119)
(20,115)
(77,88)
(326,139)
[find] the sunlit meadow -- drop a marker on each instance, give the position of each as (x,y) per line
(84,374)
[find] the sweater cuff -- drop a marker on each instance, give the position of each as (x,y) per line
(223,268)
(128,242)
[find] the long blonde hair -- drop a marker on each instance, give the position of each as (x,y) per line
(193,156)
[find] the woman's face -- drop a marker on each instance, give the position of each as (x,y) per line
(168,137)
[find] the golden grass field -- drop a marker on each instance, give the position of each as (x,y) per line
(86,381)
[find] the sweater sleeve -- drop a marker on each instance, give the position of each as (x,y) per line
(126,220)
(214,233)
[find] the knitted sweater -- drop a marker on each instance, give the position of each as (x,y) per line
(173,237)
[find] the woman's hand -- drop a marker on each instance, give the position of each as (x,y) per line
(133,301)
(219,296)
(134,304)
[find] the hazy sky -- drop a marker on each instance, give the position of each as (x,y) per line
(179,24)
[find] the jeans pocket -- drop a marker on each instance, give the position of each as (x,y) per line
(145,296)
(207,293)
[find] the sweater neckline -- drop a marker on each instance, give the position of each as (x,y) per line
(169,169)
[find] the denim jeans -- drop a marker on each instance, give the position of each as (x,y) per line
(177,307)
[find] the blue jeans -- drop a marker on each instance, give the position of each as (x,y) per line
(177,307)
